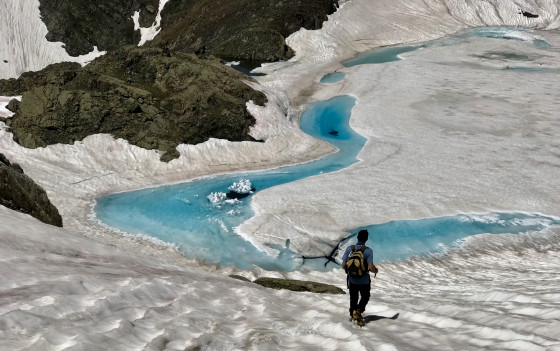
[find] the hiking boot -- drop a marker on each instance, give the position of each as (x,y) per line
(357,316)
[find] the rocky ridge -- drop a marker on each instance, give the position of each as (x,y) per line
(172,91)
(234,29)
(147,96)
(252,30)
(83,24)
(161,95)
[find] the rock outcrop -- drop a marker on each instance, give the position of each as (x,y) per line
(58,73)
(161,95)
(239,29)
(83,24)
(146,96)
(20,193)
(299,285)
(233,29)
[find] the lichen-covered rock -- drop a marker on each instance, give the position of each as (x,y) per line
(299,285)
(144,95)
(20,193)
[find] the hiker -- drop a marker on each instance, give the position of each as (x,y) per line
(357,262)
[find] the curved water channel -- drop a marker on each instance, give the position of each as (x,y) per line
(199,217)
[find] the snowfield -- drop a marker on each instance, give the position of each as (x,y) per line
(450,130)
(24,47)
(62,291)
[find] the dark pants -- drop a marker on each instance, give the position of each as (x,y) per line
(357,291)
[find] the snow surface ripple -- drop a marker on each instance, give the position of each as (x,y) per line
(500,295)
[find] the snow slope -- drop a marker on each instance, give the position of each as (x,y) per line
(448,132)
(62,291)
(24,47)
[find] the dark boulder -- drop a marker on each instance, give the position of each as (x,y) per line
(13,105)
(529,14)
(299,285)
(20,193)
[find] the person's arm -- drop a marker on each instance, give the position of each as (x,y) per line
(372,268)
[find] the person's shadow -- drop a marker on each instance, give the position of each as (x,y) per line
(373,318)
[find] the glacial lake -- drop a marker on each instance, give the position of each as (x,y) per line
(199,217)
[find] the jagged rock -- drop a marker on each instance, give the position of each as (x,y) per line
(239,29)
(299,285)
(169,155)
(234,29)
(13,105)
(20,193)
(148,12)
(83,24)
(151,99)
(58,73)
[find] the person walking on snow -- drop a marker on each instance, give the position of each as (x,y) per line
(357,262)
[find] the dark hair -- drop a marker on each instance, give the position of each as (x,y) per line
(363,235)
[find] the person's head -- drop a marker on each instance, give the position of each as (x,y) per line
(363,235)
